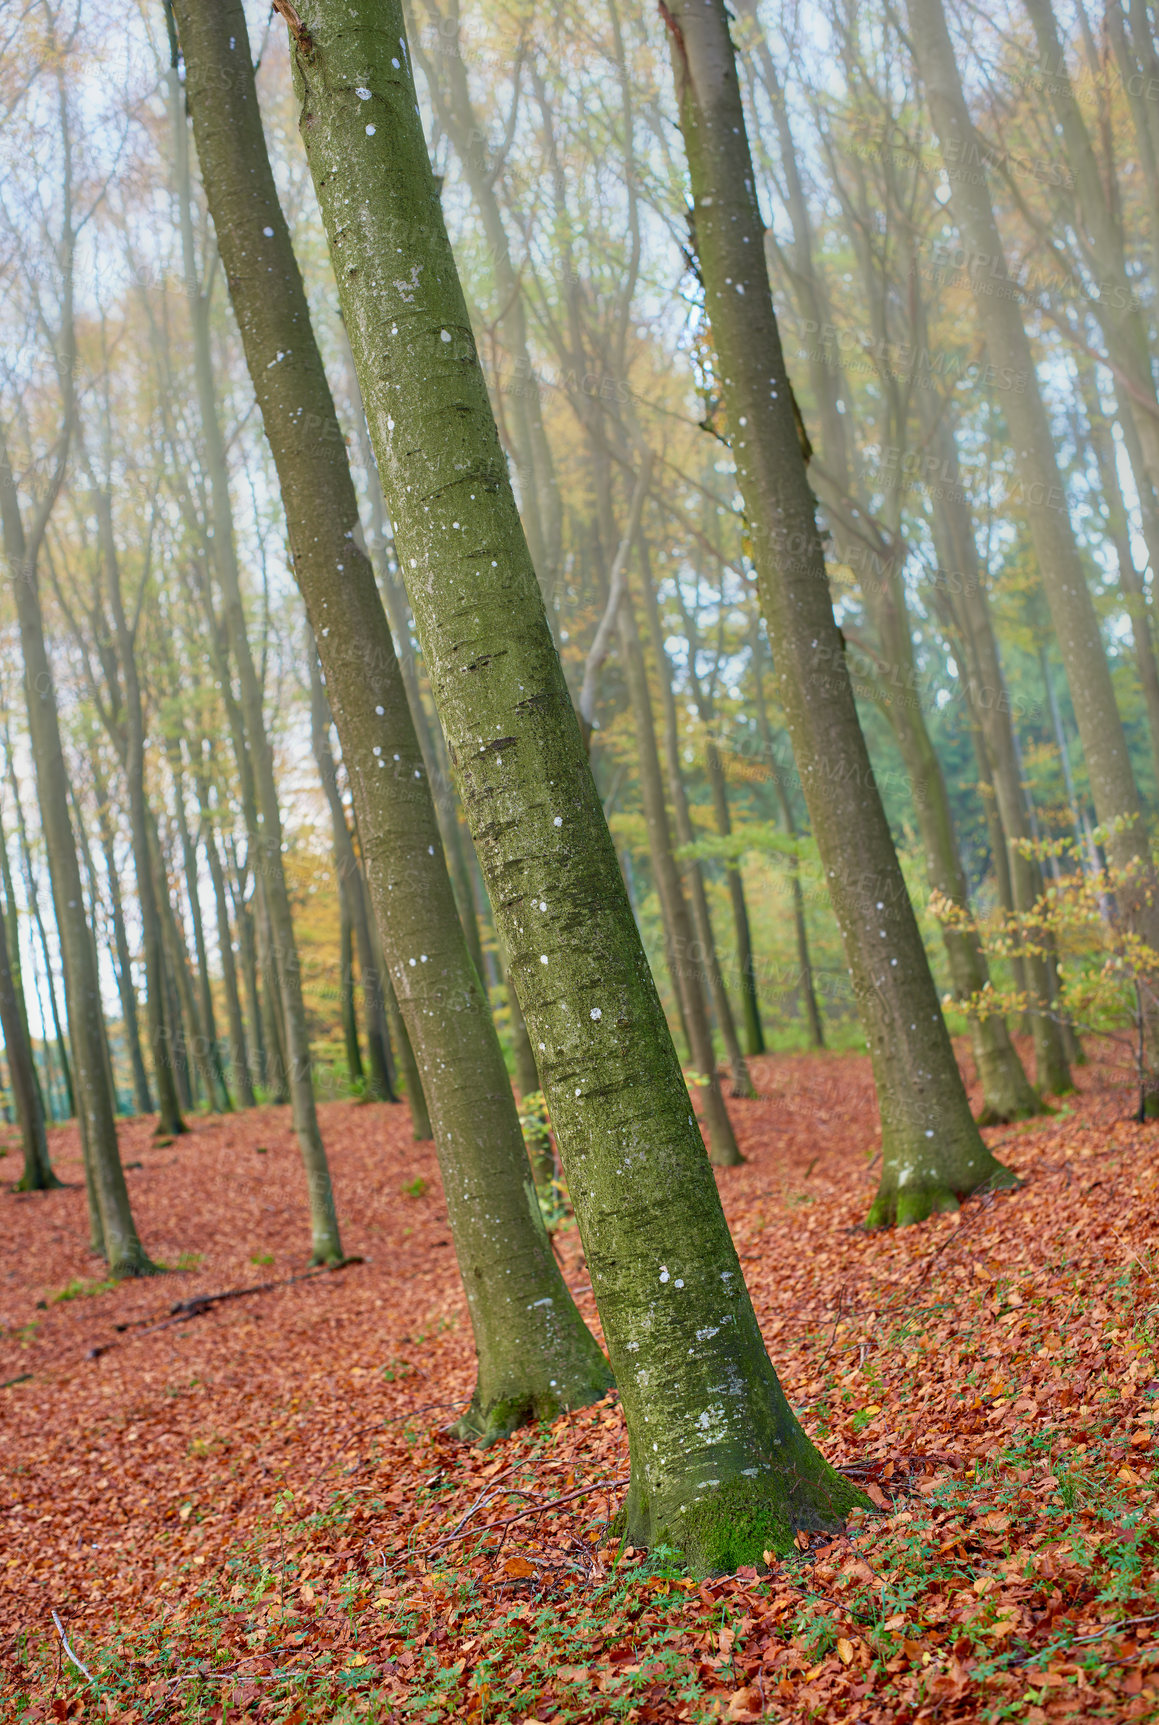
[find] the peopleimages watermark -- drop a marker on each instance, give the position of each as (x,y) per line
(952,264)
(966,159)
(858,350)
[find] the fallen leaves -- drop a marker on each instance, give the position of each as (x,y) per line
(256,1509)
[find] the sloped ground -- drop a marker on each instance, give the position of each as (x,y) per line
(253,1512)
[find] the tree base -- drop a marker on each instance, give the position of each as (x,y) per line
(744,1522)
(1005,1114)
(486,1425)
(132,1268)
(900,1206)
(42,1183)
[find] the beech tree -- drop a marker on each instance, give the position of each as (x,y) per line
(720,1466)
(932,1152)
(535,1355)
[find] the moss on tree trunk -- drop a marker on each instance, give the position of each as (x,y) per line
(720,1467)
(535,1355)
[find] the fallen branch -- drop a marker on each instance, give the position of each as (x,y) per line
(77,1662)
(533,1509)
(199,1304)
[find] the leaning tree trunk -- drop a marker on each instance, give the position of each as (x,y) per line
(1043,501)
(535,1355)
(38,1175)
(266,837)
(354,905)
(142,1101)
(118,1234)
(720,1467)
(169,1121)
(722,1145)
(932,1152)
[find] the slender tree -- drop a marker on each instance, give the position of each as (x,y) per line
(932,1152)
(265,835)
(720,1466)
(535,1355)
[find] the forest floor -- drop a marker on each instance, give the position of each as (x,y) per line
(253,1511)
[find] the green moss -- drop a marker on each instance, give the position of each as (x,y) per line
(743,1519)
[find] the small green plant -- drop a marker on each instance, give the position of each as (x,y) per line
(79,1289)
(261,1257)
(535,1123)
(415,1188)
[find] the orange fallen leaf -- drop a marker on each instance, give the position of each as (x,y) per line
(518,1568)
(844,1650)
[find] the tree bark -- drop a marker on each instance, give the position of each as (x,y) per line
(535,1355)
(265,839)
(720,1467)
(932,1152)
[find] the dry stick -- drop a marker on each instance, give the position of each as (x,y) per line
(71,1654)
(534,1509)
(184,1310)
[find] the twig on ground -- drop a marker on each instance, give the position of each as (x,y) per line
(77,1662)
(199,1304)
(532,1509)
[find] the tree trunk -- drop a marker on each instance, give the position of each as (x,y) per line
(541,506)
(346,989)
(1135,600)
(142,1100)
(221,1102)
(266,838)
(350,887)
(932,1153)
(742,1084)
(535,1355)
(169,1121)
(720,1467)
(806,989)
(240,1074)
(38,1175)
(118,1233)
(1043,499)
(273,1019)
(989,702)
(723,1150)
(33,893)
